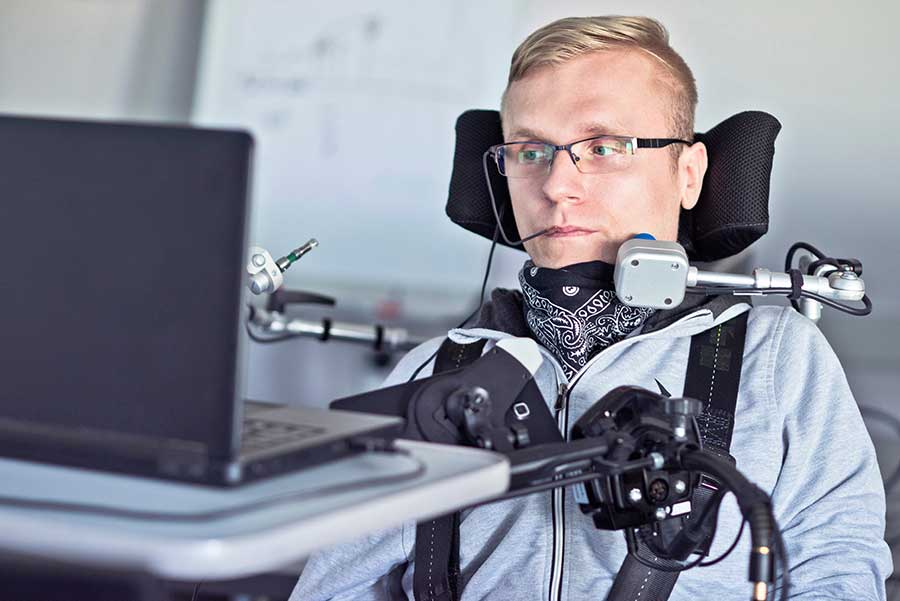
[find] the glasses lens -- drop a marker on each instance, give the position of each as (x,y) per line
(603,155)
(524,159)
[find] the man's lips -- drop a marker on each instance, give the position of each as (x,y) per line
(568,230)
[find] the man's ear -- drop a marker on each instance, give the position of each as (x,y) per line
(691,169)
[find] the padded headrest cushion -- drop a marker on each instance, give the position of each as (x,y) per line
(731,214)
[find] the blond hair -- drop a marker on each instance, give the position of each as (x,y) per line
(572,37)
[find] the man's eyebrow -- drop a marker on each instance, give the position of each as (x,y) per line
(596,128)
(523,133)
(586,130)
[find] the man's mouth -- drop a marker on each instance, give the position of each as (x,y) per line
(568,230)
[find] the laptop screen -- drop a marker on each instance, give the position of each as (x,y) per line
(123,251)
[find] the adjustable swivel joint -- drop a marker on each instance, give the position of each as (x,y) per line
(639,423)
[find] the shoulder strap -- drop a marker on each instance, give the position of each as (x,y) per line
(436,570)
(713,376)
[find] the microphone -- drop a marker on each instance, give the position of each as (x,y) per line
(487,179)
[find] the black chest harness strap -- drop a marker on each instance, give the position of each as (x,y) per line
(436,571)
(713,376)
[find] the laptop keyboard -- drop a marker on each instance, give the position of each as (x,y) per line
(260,434)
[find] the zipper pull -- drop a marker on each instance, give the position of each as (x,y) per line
(561,397)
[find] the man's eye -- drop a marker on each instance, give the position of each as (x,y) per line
(531,156)
(603,150)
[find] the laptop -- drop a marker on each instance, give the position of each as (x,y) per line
(122,308)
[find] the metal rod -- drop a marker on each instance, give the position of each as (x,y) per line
(733,280)
(392,339)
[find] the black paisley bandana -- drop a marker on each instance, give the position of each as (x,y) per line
(574,311)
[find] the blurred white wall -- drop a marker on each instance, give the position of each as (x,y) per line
(117,59)
(827,69)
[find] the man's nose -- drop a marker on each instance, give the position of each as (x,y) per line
(564,181)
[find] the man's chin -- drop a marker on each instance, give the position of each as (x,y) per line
(563,252)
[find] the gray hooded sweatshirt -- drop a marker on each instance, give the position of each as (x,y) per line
(798,435)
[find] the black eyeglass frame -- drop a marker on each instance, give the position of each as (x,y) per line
(635,144)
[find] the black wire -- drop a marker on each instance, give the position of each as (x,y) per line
(811,269)
(291,496)
(789,259)
(498,215)
(839,306)
(730,549)
(714,291)
(424,363)
(662,568)
(781,552)
(894,422)
(795,247)
(712,506)
(487,273)
(196,588)
(717,291)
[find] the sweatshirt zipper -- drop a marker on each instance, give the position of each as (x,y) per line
(562,421)
(558,498)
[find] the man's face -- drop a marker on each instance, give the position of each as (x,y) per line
(614,92)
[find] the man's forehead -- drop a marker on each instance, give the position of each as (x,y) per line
(611,92)
(583,129)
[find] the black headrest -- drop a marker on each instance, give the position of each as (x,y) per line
(731,214)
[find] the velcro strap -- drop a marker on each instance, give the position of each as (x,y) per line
(796,284)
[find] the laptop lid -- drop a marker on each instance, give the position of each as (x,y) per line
(120,299)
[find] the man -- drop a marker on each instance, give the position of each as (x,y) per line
(579,91)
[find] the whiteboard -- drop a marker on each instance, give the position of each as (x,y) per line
(352,106)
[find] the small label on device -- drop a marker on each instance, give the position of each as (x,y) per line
(681,508)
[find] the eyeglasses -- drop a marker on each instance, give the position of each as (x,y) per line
(600,154)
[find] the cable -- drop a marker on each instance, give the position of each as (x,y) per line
(839,306)
(424,363)
(291,496)
(487,273)
(789,260)
(712,506)
(706,564)
(781,552)
(484,282)
(825,260)
(662,568)
(797,246)
(196,589)
(498,215)
(717,291)
(811,269)
(714,291)
(755,505)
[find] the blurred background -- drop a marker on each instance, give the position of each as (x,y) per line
(322,84)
